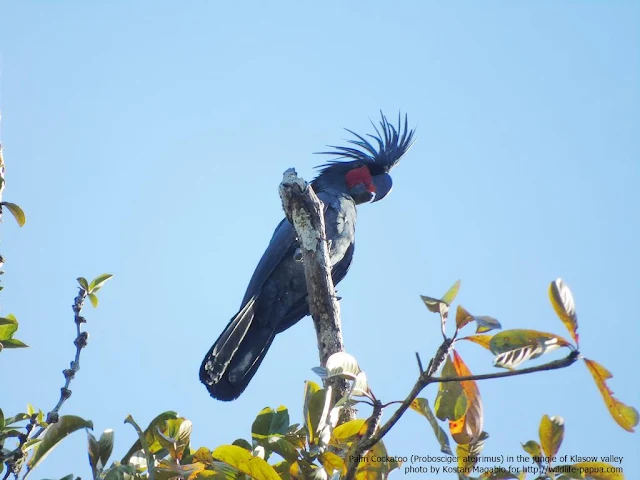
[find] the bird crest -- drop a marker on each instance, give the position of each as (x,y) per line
(392,143)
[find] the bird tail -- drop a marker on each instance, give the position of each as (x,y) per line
(235,357)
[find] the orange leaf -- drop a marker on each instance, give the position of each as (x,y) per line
(624,415)
(562,301)
(482,340)
(468,428)
(462,317)
(551,435)
(600,470)
(589,470)
(376,464)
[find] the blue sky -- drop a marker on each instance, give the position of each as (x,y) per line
(148,141)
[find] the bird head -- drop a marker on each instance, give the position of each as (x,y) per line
(365,173)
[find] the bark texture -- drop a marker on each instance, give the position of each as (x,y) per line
(305,211)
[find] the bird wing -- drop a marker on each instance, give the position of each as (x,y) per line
(283,242)
(341,268)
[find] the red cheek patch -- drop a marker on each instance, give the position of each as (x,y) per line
(360,175)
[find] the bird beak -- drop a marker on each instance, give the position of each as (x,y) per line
(383,185)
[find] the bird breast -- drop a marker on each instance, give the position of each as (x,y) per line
(340,226)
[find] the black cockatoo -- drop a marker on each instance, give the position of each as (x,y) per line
(276,297)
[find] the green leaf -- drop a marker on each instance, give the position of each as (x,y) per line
(29,444)
(242,460)
(94,300)
(332,462)
(99,451)
(281,446)
(17,212)
(533,448)
(551,434)
(93,451)
(157,421)
(376,463)
(121,472)
(310,388)
(513,347)
(348,431)
(297,436)
(241,442)
(599,471)
(469,453)
(83,283)
(16,418)
(451,401)
(319,407)
(421,405)
(8,327)
(175,437)
(269,422)
(486,323)
(13,343)
(442,305)
(451,293)
(9,433)
(54,433)
(282,469)
(433,304)
(169,469)
(97,283)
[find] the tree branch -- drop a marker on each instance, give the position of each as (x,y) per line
(2,171)
(373,422)
(305,211)
(80,342)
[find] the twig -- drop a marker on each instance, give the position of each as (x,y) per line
(2,171)
(419,363)
(372,425)
(69,373)
(305,211)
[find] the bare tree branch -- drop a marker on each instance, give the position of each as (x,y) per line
(305,211)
